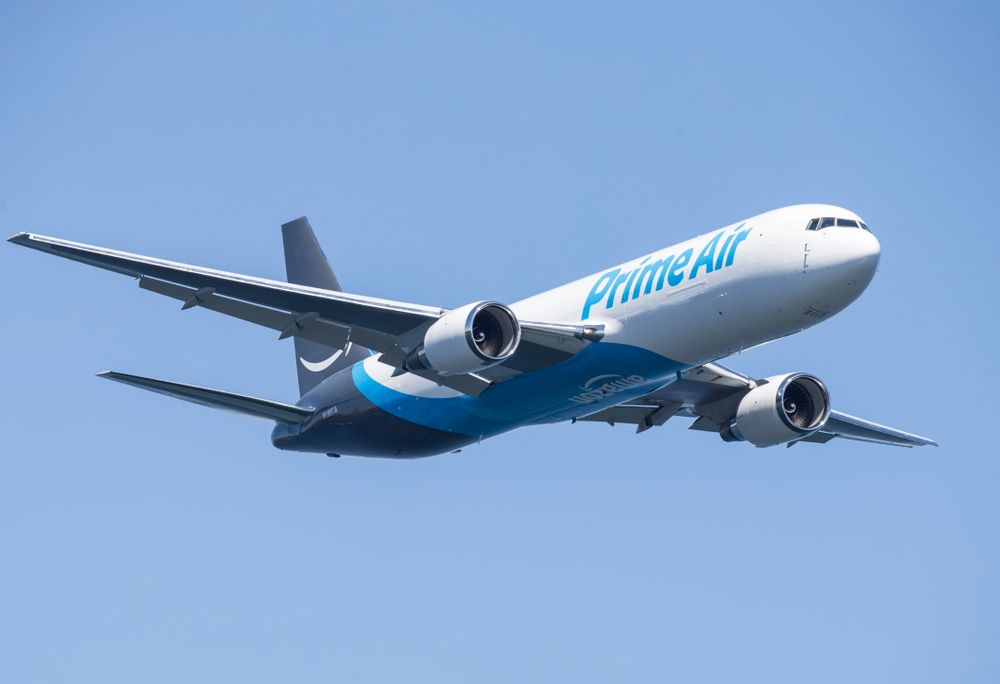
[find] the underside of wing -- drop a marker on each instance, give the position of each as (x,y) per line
(712,395)
(849,427)
(543,345)
(227,401)
(708,390)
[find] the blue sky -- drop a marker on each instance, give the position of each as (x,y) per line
(447,153)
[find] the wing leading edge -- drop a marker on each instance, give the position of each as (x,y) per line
(328,317)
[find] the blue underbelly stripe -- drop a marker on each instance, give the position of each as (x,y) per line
(600,375)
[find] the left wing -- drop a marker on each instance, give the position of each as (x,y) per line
(328,317)
(711,394)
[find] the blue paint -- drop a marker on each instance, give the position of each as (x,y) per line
(598,291)
(545,395)
(740,237)
(706,257)
(722,251)
(614,288)
(631,278)
(649,274)
(639,281)
(676,274)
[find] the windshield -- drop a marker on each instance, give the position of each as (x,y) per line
(833,221)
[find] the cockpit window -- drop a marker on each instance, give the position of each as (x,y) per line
(830,221)
(865,226)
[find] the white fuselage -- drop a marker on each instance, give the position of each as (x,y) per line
(780,279)
(712,295)
(689,304)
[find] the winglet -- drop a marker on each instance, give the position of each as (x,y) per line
(19,238)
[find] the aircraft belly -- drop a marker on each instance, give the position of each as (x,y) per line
(599,376)
(348,423)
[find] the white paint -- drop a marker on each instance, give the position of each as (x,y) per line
(764,295)
(320,366)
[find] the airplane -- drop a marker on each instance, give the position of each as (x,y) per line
(636,344)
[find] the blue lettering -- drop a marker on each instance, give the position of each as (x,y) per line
(706,257)
(649,273)
(676,274)
(628,285)
(740,237)
(640,279)
(722,252)
(614,288)
(597,292)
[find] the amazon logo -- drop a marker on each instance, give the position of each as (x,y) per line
(320,366)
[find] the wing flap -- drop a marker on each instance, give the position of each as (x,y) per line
(630,413)
(643,416)
(311,328)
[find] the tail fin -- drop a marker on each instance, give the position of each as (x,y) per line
(228,401)
(306,264)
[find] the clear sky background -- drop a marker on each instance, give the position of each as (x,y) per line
(444,154)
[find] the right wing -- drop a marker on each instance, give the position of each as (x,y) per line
(325,316)
(711,393)
(849,427)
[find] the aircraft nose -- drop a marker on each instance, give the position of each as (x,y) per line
(841,265)
(861,255)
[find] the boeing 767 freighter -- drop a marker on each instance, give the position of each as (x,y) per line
(635,344)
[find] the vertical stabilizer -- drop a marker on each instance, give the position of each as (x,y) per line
(306,264)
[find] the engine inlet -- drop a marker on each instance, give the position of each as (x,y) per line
(494,331)
(805,402)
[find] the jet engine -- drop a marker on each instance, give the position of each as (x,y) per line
(470,338)
(781,409)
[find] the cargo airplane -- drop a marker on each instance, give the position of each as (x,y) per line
(636,344)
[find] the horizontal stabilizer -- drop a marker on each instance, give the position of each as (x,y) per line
(228,401)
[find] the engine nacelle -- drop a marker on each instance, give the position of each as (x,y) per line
(782,409)
(467,339)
